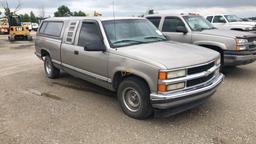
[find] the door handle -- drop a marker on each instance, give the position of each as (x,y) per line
(76,52)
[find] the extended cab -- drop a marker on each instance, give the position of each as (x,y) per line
(235,47)
(133,58)
(231,22)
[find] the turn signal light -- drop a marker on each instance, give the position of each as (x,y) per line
(162,75)
(162,88)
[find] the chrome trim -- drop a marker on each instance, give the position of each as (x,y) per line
(190,77)
(189,92)
(55,61)
(88,73)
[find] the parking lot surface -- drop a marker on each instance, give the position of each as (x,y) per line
(37,110)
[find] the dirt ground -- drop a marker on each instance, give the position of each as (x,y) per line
(37,110)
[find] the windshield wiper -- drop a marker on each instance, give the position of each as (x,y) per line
(154,37)
(127,41)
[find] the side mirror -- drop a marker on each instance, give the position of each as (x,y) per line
(181,29)
(97,45)
(222,21)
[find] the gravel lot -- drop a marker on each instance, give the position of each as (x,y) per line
(36,110)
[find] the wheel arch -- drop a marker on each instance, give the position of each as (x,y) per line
(44,53)
(119,76)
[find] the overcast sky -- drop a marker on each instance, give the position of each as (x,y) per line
(243,8)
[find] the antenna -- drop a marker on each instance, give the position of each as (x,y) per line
(114,15)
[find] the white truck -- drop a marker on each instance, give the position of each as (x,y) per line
(231,22)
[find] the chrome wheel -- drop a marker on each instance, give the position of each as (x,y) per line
(48,67)
(131,99)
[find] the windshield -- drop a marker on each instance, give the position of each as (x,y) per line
(130,32)
(198,23)
(232,18)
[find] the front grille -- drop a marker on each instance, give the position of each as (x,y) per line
(198,81)
(251,40)
(200,69)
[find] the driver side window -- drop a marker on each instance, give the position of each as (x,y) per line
(171,24)
(89,35)
(219,19)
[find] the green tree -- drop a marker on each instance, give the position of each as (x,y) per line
(79,13)
(26,18)
(21,17)
(33,18)
(7,11)
(63,11)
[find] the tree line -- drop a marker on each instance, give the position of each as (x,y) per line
(30,17)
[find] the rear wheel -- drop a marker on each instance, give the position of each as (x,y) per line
(29,38)
(133,96)
(11,38)
(50,70)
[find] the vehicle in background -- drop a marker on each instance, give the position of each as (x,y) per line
(35,26)
(133,58)
(235,47)
(231,22)
(4,25)
(27,24)
(17,30)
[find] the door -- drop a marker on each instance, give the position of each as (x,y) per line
(90,63)
(219,22)
(169,28)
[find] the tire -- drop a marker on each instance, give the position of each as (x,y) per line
(134,98)
(11,38)
(29,38)
(50,70)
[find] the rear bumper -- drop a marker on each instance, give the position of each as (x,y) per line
(235,59)
(166,101)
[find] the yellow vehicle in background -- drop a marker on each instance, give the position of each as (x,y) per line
(4,26)
(17,30)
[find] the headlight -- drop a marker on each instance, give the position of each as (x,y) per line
(163,75)
(218,61)
(176,74)
(248,28)
(173,87)
(241,44)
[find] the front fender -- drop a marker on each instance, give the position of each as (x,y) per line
(141,69)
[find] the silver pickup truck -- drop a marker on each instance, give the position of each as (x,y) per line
(133,58)
(235,47)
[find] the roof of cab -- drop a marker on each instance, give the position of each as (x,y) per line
(90,18)
(173,14)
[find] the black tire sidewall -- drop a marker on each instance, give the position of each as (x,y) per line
(47,58)
(54,71)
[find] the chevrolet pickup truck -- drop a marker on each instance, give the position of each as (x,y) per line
(231,22)
(131,57)
(236,47)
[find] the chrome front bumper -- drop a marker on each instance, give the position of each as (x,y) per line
(165,101)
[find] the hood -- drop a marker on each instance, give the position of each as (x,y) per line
(169,54)
(252,24)
(227,33)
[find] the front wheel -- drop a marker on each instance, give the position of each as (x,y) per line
(51,71)
(134,98)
